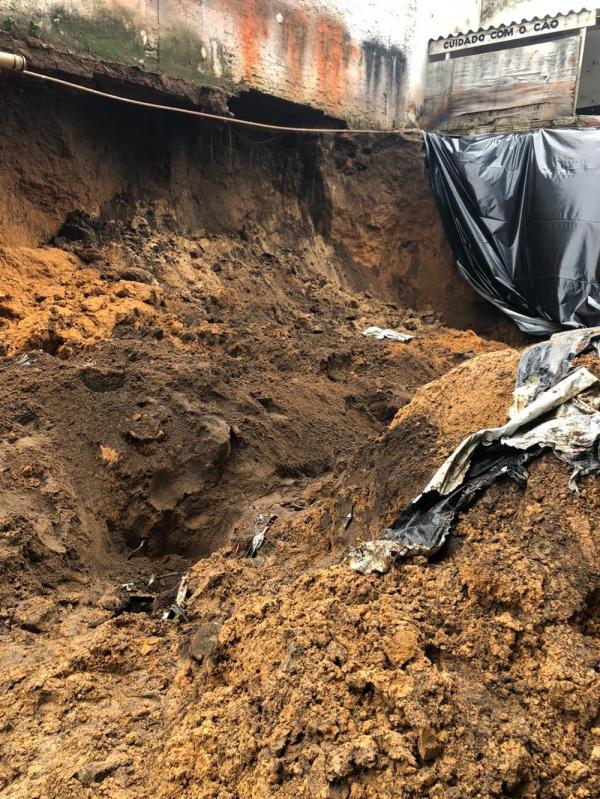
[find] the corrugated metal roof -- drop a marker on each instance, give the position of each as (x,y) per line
(524,21)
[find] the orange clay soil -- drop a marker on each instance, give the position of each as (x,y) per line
(475,675)
(53,301)
(182,368)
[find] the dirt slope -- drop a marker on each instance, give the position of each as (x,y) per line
(156,407)
(474,675)
(183,368)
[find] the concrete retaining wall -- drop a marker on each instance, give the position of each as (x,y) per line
(363,61)
(348,59)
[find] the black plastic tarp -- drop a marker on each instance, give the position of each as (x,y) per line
(522,214)
(556,406)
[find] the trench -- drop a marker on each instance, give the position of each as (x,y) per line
(139,243)
(186,392)
(191,298)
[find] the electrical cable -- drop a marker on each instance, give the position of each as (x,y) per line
(207,115)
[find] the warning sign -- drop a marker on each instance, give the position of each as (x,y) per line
(513,32)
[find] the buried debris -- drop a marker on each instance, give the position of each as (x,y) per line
(386,332)
(177,609)
(137,549)
(559,411)
(98,771)
(204,643)
(262,523)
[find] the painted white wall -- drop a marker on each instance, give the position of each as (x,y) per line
(434,18)
(408,25)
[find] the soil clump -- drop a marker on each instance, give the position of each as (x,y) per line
(184,369)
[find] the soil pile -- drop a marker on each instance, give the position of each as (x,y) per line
(52,302)
(474,675)
(186,390)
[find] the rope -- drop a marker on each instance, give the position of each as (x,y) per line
(206,115)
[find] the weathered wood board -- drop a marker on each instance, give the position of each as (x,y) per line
(536,82)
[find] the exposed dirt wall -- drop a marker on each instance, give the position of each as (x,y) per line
(364,200)
(185,390)
(384,219)
(63,153)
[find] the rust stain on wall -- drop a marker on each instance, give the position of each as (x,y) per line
(295,33)
(252,31)
(331,60)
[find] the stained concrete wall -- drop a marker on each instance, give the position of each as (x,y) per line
(363,61)
(350,59)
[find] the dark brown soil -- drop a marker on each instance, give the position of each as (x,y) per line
(161,411)
(182,367)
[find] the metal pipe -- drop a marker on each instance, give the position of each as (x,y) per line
(15,63)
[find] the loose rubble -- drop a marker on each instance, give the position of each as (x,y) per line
(194,434)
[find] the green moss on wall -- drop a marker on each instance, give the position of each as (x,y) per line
(115,38)
(9,24)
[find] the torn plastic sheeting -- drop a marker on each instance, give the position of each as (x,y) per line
(521,212)
(424,525)
(453,471)
(262,524)
(573,435)
(481,459)
(543,365)
(386,332)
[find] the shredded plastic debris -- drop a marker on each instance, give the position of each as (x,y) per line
(262,524)
(386,332)
(137,549)
(177,609)
(572,432)
(544,364)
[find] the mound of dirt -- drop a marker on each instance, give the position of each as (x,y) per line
(391,470)
(194,431)
(53,302)
(473,675)
(472,396)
